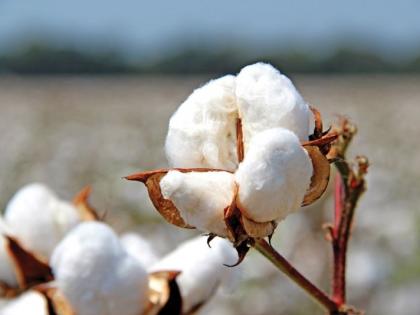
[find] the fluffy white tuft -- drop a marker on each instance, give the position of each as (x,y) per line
(39,219)
(96,274)
(33,303)
(202,268)
(274,176)
(200,197)
(268,99)
(139,248)
(202,132)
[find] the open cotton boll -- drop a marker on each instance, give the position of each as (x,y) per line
(97,275)
(202,269)
(202,132)
(274,176)
(200,197)
(33,303)
(39,219)
(139,248)
(268,99)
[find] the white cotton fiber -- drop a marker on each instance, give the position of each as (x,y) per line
(202,269)
(7,269)
(202,132)
(97,275)
(274,176)
(39,218)
(268,99)
(200,197)
(32,303)
(139,248)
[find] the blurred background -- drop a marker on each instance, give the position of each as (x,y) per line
(87,88)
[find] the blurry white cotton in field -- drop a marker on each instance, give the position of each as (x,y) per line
(268,99)
(202,131)
(139,248)
(274,176)
(39,218)
(200,197)
(97,275)
(32,303)
(202,269)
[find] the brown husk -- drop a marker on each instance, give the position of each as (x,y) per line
(320,176)
(30,269)
(57,303)
(164,294)
(86,211)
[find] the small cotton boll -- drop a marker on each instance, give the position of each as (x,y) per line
(33,303)
(139,248)
(200,197)
(202,132)
(97,275)
(268,99)
(39,219)
(202,269)
(274,176)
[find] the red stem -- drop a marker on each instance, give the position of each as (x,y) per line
(339,244)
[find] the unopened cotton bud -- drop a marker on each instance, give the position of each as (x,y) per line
(200,197)
(202,269)
(139,248)
(7,269)
(202,132)
(97,275)
(39,219)
(274,176)
(32,302)
(268,99)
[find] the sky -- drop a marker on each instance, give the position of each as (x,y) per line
(389,27)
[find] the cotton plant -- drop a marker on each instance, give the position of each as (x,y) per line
(40,219)
(242,158)
(34,222)
(95,273)
(92,270)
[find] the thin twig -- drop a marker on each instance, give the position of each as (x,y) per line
(349,186)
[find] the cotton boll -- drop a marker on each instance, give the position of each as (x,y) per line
(268,99)
(202,269)
(96,274)
(274,176)
(39,219)
(33,303)
(139,248)
(200,197)
(202,132)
